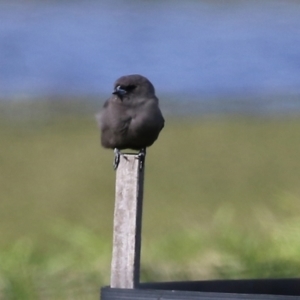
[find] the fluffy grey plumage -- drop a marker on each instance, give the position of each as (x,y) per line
(131,117)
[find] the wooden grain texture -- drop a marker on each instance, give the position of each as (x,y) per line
(125,266)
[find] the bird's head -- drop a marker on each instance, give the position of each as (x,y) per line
(133,87)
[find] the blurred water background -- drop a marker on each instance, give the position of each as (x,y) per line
(246,53)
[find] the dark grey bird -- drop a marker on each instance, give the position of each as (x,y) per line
(131,118)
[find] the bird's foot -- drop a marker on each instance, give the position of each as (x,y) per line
(116,158)
(141,157)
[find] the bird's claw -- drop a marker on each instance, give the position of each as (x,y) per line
(141,158)
(116,158)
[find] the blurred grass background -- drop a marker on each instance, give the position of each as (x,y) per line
(221,200)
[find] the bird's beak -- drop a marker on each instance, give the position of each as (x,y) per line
(118,91)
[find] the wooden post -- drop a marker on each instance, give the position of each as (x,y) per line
(125,266)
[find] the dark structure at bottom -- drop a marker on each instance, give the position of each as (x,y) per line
(257,289)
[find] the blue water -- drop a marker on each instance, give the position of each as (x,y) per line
(197,48)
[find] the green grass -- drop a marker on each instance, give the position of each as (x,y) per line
(221,201)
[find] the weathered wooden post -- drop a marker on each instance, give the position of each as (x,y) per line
(125,266)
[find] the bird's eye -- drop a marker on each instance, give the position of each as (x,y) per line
(122,90)
(129,88)
(119,90)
